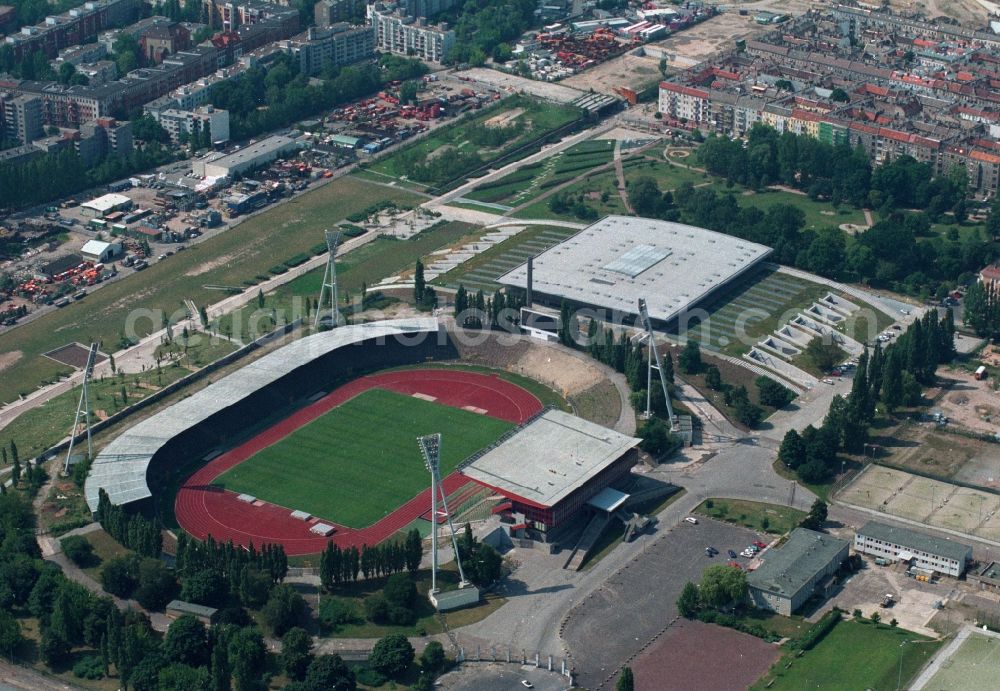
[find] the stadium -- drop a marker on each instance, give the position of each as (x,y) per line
(316,441)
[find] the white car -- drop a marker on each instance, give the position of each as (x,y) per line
(692,520)
(828,381)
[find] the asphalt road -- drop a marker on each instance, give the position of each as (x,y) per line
(502,677)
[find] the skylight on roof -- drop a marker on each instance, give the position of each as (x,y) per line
(637,260)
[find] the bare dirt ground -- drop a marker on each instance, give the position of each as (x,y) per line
(629,70)
(690,47)
(693,655)
(205,267)
(969,403)
(505,118)
(9,358)
(965,11)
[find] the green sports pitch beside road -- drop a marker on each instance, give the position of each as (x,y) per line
(360,461)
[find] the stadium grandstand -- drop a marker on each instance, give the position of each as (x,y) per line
(612,263)
(554,466)
(206,423)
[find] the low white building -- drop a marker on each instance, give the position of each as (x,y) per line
(101,252)
(919,549)
(395,32)
(102,206)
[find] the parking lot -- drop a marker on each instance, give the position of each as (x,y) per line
(641,598)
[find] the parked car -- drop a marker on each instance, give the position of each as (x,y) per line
(732,554)
(692,520)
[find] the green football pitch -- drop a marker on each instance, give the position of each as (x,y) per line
(360,461)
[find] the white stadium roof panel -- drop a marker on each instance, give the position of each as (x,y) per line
(619,259)
(120,468)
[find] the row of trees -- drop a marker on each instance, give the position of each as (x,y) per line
(476,311)
(982,308)
(833,171)
(344,565)
(132,530)
(893,376)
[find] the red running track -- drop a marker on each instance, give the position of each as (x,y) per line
(203,509)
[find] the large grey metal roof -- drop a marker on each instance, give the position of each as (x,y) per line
(913,540)
(793,566)
(120,468)
(619,259)
(549,457)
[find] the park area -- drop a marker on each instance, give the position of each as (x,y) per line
(448,153)
(241,256)
(767,518)
(854,655)
(360,461)
(930,502)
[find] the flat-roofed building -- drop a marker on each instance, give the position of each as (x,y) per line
(942,555)
(612,263)
(794,572)
(552,466)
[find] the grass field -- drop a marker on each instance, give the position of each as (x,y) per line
(367,265)
(855,655)
(483,270)
(360,461)
(768,518)
(973,666)
(226,259)
(538,117)
(46,425)
(598,191)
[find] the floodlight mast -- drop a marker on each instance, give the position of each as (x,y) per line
(654,354)
(83,408)
(329,286)
(430,448)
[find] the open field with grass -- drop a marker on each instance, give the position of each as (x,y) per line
(535,119)
(598,191)
(760,516)
(483,270)
(42,427)
(854,655)
(327,467)
(667,175)
(366,265)
(973,665)
(531,180)
(230,258)
(818,214)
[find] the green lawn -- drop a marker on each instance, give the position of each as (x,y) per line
(753,514)
(602,185)
(818,214)
(972,666)
(538,117)
(230,258)
(854,656)
(366,265)
(667,175)
(38,429)
(360,461)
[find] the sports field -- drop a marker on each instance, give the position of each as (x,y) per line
(360,461)
(975,664)
(854,655)
(932,502)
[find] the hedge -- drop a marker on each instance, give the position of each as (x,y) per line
(296,260)
(277,270)
(817,631)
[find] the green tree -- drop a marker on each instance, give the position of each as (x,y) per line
(823,355)
(330,673)
(414,550)
(773,394)
(120,576)
(419,284)
(284,608)
(721,585)
(78,550)
(432,659)
(816,517)
(687,603)
(400,590)
(392,655)
(246,654)
(186,642)
(713,378)
(156,585)
(625,680)
(296,652)
(875,618)
(793,450)
(690,357)
(10,633)
(177,677)
(645,196)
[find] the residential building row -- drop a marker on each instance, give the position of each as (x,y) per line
(74,27)
(405,34)
(932,98)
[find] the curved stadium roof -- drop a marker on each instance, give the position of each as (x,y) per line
(120,468)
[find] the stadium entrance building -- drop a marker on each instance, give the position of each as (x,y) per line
(551,467)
